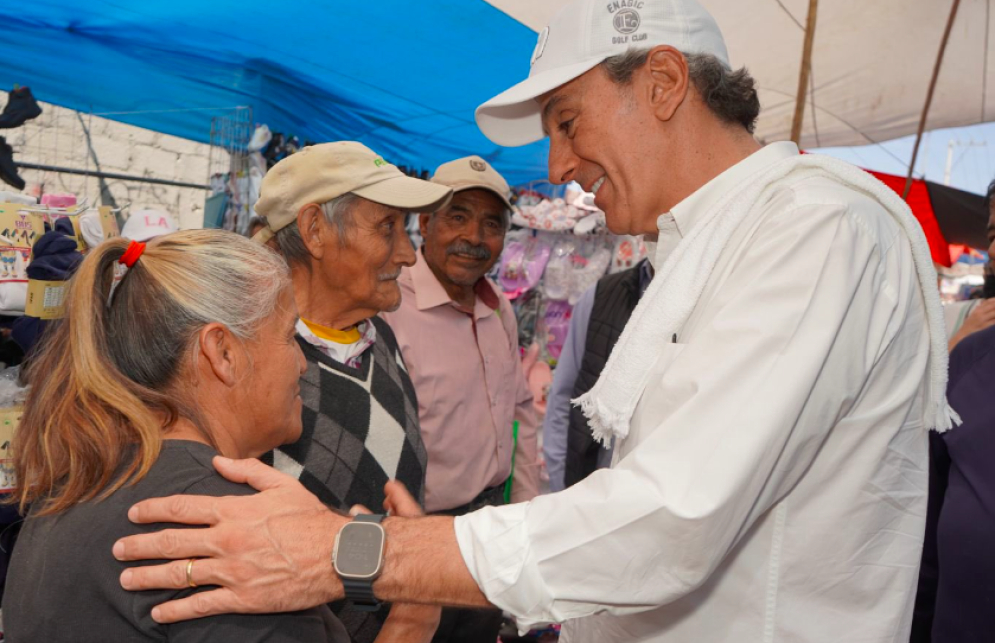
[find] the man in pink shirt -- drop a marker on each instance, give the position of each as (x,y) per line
(459,339)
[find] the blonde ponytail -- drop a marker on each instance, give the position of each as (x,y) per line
(104,383)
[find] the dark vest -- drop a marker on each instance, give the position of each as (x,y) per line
(615,298)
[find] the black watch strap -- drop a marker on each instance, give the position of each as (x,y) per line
(360,592)
(377,518)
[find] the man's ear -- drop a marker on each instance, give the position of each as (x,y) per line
(314,232)
(220,351)
(423,220)
(665,79)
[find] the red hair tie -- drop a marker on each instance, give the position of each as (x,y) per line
(131,255)
(124,264)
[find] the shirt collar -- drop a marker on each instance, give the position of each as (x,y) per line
(429,292)
(686,213)
(348,354)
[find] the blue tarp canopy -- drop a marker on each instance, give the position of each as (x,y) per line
(401,76)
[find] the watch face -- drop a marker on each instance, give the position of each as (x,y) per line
(359,550)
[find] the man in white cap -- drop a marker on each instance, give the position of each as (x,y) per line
(459,338)
(768,399)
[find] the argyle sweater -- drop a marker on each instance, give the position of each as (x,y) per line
(360,429)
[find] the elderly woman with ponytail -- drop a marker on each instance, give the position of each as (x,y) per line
(168,355)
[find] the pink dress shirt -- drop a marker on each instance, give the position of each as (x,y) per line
(468,377)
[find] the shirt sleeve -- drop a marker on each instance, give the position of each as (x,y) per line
(525,482)
(555,425)
(743,409)
(960,518)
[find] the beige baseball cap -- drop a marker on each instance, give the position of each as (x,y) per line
(472,173)
(582,35)
(320,173)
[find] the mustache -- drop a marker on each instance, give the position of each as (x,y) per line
(389,276)
(464,248)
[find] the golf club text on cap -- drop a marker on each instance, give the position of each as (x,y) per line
(582,35)
(319,173)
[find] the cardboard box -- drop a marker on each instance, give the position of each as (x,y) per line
(108,221)
(46,299)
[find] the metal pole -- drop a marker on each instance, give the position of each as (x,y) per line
(929,94)
(108,175)
(950,162)
(796,124)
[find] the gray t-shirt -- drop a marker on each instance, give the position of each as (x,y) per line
(63,580)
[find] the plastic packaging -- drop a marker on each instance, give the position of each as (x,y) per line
(12,393)
(553,327)
(522,265)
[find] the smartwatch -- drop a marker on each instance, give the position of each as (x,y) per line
(358,559)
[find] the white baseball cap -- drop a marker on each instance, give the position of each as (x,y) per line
(148,224)
(582,35)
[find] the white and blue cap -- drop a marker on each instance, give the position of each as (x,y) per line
(582,35)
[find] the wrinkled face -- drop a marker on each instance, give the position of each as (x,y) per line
(598,136)
(362,266)
(465,239)
(273,384)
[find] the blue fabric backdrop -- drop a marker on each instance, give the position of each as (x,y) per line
(402,76)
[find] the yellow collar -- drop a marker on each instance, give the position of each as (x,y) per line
(348,336)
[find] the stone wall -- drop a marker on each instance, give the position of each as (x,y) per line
(66,138)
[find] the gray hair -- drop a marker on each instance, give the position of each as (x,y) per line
(506,212)
(182,282)
(730,95)
(337,212)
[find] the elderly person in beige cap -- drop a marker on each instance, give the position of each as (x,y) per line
(336,213)
(472,437)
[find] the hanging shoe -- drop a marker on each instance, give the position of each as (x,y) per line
(260,138)
(8,171)
(20,107)
(274,151)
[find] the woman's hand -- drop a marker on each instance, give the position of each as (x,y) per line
(982,317)
(406,623)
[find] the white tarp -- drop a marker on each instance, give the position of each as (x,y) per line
(871,64)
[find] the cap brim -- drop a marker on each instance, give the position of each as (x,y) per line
(480,186)
(407,193)
(513,117)
(147,235)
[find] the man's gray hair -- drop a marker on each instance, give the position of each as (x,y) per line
(337,212)
(506,213)
(730,95)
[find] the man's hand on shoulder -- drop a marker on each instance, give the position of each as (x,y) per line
(268,552)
